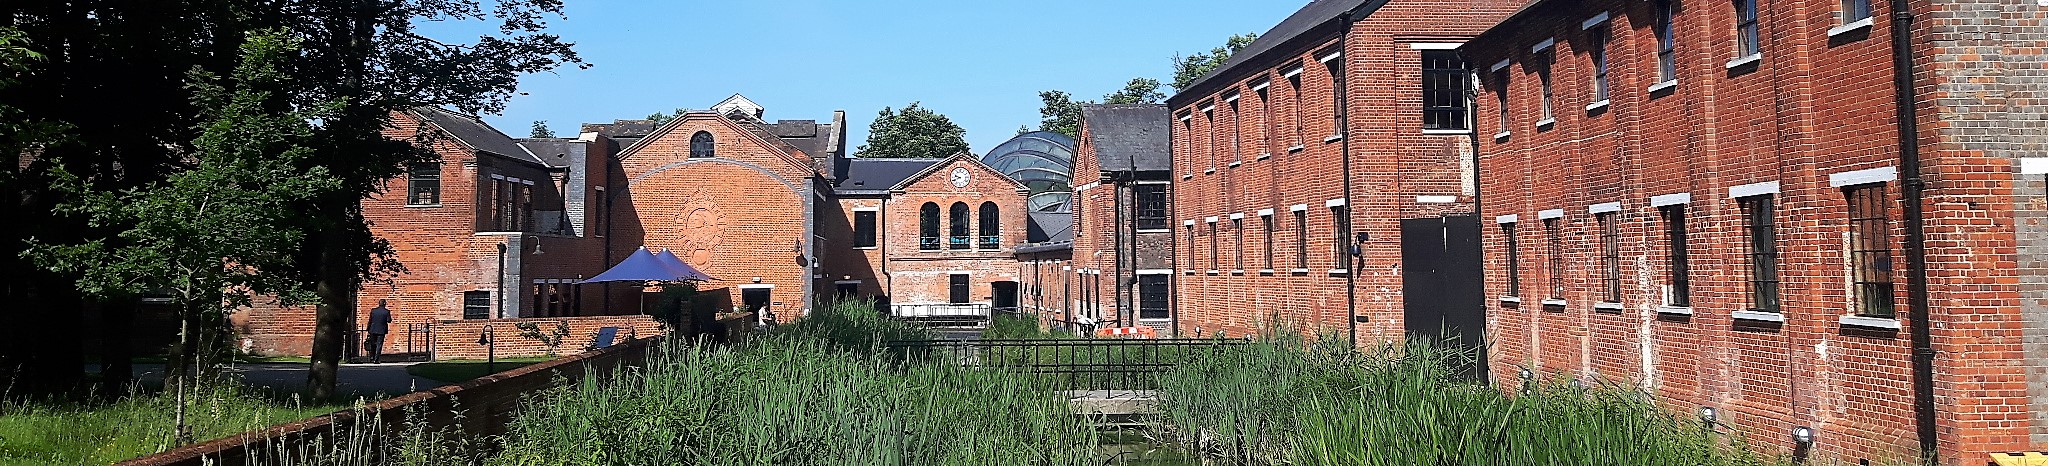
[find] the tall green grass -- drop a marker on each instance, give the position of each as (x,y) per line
(821,391)
(55,432)
(1285,401)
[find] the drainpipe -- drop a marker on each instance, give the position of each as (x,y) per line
(1918,311)
(1339,79)
(1116,278)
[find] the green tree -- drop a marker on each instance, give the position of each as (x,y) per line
(660,118)
(1059,113)
(914,132)
(1186,69)
(1138,91)
(217,234)
(540,130)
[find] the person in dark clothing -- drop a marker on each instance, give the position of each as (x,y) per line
(380,324)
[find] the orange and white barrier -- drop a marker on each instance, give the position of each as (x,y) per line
(1128,332)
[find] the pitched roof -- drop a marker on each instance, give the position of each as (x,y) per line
(879,174)
(963,156)
(551,151)
(1050,227)
(474,133)
(1316,13)
(1132,137)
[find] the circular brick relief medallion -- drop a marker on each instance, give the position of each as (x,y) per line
(700,227)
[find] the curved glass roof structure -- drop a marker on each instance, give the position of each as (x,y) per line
(1044,162)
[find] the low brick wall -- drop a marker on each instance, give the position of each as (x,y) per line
(456,339)
(475,409)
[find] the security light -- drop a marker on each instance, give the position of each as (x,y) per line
(1708,416)
(1803,435)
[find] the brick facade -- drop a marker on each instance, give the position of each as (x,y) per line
(1259,141)
(1110,248)
(1802,127)
(918,269)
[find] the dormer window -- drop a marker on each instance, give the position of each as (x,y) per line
(701,145)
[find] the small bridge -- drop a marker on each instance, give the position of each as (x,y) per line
(1110,378)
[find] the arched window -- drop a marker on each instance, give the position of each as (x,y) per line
(959,226)
(928,227)
(991,226)
(701,145)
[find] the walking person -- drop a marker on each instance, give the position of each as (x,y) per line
(380,324)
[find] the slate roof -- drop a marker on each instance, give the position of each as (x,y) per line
(1050,227)
(475,133)
(551,151)
(621,128)
(1316,13)
(879,174)
(1131,137)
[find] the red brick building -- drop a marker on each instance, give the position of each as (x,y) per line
(1122,246)
(1342,127)
(1711,202)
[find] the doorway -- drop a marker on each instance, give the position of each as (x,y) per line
(1441,280)
(758,300)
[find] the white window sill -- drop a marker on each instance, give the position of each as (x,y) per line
(1447,131)
(1265,271)
(1502,136)
(1296,148)
(421,206)
(1597,105)
(1745,60)
(1185,176)
(1237,271)
(1189,272)
(1299,271)
(1155,230)
(865,248)
(1546,123)
(1675,310)
(1333,138)
(1607,306)
(1870,322)
(1553,302)
(1853,26)
(1511,299)
(1760,316)
(1215,272)
(1659,87)
(1339,271)
(1234,164)
(1210,171)
(1265,155)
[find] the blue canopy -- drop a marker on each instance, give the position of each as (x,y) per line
(644,266)
(683,269)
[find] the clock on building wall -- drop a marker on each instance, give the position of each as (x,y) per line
(960,177)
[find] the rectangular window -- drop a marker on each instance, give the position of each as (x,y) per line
(1610,257)
(1334,66)
(476,304)
(1237,228)
(1192,263)
(1445,81)
(1301,239)
(1152,296)
(1236,127)
(1746,38)
(1870,250)
(601,220)
(1514,260)
(1340,238)
(864,229)
(1214,246)
(1294,84)
(1543,76)
(1680,275)
(1553,230)
(1209,118)
(1151,200)
(1500,79)
(960,291)
(1763,252)
(1265,117)
(423,184)
(1596,39)
(1855,10)
(1270,231)
(1667,59)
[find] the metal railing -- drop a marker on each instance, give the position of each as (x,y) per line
(940,310)
(1083,364)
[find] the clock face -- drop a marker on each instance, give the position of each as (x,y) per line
(960,177)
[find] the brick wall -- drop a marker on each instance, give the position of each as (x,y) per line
(1273,152)
(1107,254)
(921,276)
(457,339)
(1813,108)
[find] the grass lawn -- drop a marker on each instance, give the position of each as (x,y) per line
(461,370)
(66,433)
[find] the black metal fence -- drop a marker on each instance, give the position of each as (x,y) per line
(1084,364)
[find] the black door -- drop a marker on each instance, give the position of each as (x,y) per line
(1441,281)
(960,289)
(1005,295)
(756,299)
(848,290)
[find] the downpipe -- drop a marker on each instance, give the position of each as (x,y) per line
(1918,309)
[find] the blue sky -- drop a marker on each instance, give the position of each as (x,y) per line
(980,62)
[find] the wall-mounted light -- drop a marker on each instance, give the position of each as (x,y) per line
(1708,416)
(1358,246)
(757,279)
(1802,435)
(536,244)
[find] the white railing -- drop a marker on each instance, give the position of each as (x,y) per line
(940,311)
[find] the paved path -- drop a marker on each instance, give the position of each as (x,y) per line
(367,381)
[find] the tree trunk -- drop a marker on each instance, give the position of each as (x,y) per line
(330,317)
